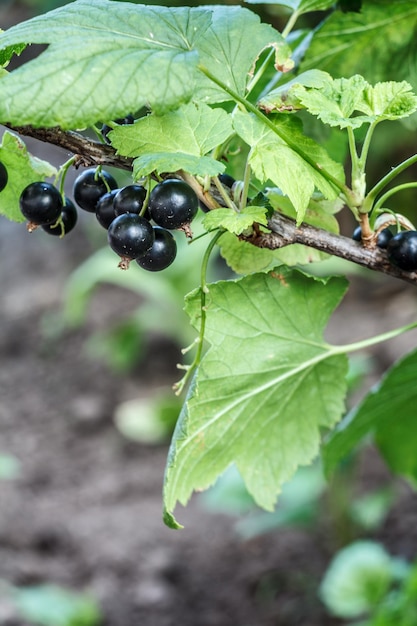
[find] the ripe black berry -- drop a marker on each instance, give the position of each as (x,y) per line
(172,204)
(129,199)
(130,236)
(402,250)
(226,180)
(105,129)
(40,203)
(67,222)
(105,208)
(89,186)
(4,177)
(162,253)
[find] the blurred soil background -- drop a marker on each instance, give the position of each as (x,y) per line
(84,510)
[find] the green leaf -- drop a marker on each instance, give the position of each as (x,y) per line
(283,97)
(389,101)
(235,222)
(357,580)
(106,59)
(23,169)
(244,258)
(8,53)
(301,6)
(50,605)
(272,159)
(387,412)
(169,162)
(230,47)
(192,129)
(265,388)
(177,140)
(335,101)
(378,42)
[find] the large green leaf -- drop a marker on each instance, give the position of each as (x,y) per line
(389,413)
(23,169)
(272,159)
(230,47)
(379,42)
(177,140)
(264,390)
(106,59)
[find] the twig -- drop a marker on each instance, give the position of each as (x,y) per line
(88,152)
(284,232)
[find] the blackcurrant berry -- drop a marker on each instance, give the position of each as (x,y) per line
(129,199)
(130,236)
(357,234)
(40,203)
(4,177)
(226,180)
(384,236)
(105,208)
(105,129)
(89,186)
(162,253)
(66,222)
(402,250)
(172,204)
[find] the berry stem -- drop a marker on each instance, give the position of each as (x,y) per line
(380,203)
(290,24)
(373,193)
(245,190)
(204,290)
(366,343)
(62,172)
(146,200)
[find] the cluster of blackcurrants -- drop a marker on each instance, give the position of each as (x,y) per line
(401,247)
(138,224)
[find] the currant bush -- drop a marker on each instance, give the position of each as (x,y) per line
(90,186)
(41,203)
(162,253)
(4,177)
(173,204)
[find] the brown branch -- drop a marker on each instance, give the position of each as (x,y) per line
(284,232)
(89,152)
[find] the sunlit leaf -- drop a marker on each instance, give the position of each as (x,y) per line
(235,222)
(265,388)
(107,59)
